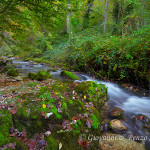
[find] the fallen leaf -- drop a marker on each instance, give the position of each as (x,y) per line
(60,146)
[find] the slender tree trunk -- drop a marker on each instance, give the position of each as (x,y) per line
(105,16)
(87,14)
(68,20)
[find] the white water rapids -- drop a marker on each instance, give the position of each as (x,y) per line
(129,102)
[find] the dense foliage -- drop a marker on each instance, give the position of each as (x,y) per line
(107,38)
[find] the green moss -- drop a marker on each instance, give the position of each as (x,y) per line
(61,87)
(32,75)
(32,84)
(110,125)
(38,60)
(5,126)
(96,93)
(13,72)
(40,75)
(29,117)
(29,58)
(69,140)
(46,61)
(52,143)
(25,115)
(69,75)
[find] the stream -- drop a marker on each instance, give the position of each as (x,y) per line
(118,96)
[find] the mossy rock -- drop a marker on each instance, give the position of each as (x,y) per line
(40,75)
(13,72)
(2,63)
(10,71)
(32,75)
(117,112)
(38,60)
(90,91)
(69,75)
(69,139)
(5,125)
(30,116)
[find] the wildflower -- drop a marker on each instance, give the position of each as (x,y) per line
(44,106)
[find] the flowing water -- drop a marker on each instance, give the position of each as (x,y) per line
(118,96)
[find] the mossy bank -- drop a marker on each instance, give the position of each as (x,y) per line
(66,109)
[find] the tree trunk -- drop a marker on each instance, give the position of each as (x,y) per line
(68,20)
(87,14)
(105,17)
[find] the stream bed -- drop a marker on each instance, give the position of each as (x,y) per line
(133,104)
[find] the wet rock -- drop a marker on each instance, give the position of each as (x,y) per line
(9,61)
(118,142)
(104,127)
(117,112)
(142,121)
(117,125)
(52,70)
(18,78)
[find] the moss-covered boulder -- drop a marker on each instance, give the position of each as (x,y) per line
(76,121)
(90,91)
(40,75)
(69,75)
(9,70)
(13,72)
(32,75)
(61,108)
